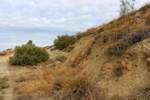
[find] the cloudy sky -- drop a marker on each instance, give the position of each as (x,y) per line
(42,20)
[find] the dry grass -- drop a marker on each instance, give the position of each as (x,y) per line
(68,83)
(82,87)
(34,82)
(3,83)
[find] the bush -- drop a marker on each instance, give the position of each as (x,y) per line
(28,54)
(64,41)
(120,48)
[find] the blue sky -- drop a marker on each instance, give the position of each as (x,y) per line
(42,20)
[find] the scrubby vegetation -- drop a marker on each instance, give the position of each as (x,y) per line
(28,54)
(64,41)
(119,48)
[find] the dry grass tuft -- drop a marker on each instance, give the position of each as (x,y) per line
(3,83)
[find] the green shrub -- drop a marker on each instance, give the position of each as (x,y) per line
(28,54)
(64,41)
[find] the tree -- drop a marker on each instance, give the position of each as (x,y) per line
(126,7)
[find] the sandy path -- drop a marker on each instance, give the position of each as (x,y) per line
(5,72)
(4,66)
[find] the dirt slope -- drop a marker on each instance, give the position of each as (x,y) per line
(91,50)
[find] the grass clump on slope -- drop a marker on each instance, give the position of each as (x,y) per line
(28,54)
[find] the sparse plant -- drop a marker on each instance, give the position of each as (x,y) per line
(28,54)
(120,48)
(64,41)
(126,7)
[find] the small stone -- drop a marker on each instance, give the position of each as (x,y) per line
(129,66)
(143,48)
(40,67)
(107,66)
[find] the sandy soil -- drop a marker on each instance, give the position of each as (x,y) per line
(7,94)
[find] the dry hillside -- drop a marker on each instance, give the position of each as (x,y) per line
(109,62)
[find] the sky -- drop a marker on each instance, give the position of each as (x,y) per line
(43,20)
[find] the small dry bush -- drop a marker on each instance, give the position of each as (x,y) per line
(81,86)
